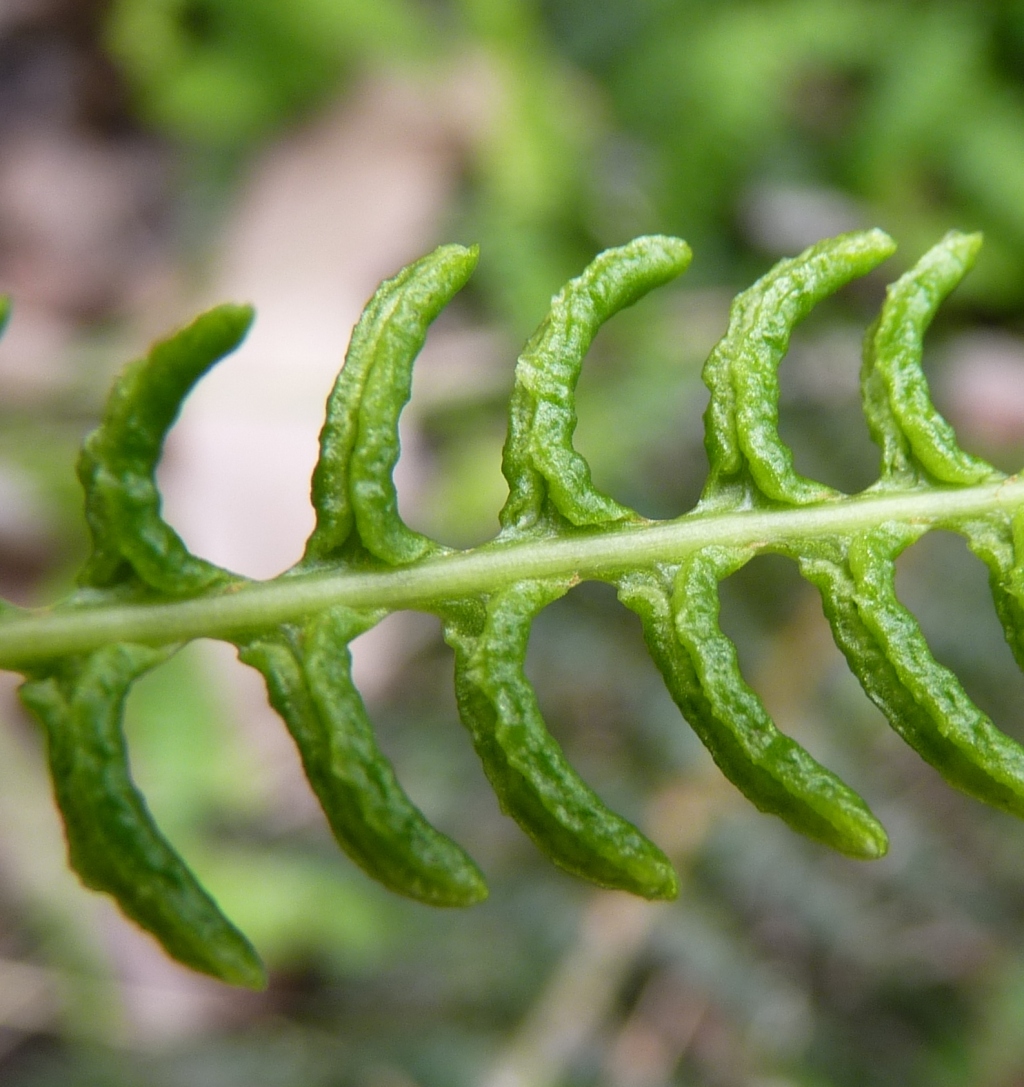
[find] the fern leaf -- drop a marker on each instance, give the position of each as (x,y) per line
(142,593)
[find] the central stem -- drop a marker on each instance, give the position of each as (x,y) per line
(38,635)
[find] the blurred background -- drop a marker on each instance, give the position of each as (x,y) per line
(160,155)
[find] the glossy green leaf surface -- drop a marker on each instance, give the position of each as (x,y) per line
(142,592)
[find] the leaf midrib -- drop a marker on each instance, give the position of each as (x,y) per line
(37,635)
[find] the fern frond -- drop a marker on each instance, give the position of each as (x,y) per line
(142,593)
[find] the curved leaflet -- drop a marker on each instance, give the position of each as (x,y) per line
(113,843)
(308,675)
(698,663)
(352,483)
(902,419)
(118,461)
(742,418)
(923,702)
(539,461)
(525,766)
(999,541)
(947,729)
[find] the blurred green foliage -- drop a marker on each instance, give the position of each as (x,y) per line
(751,128)
(617,119)
(225,73)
